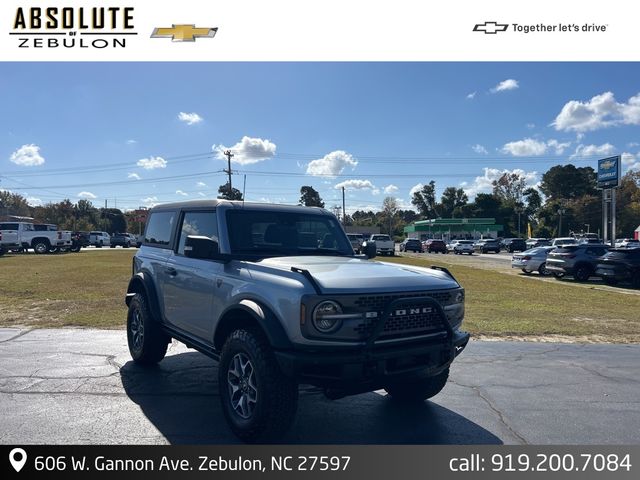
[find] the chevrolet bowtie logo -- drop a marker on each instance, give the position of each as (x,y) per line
(183,33)
(606,165)
(490,28)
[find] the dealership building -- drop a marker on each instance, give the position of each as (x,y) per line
(454,228)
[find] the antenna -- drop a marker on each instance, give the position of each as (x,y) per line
(244,188)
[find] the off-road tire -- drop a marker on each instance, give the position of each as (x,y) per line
(417,390)
(276,395)
(41,247)
(147,342)
(582,273)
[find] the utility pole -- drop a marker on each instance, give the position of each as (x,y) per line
(228,154)
(344,210)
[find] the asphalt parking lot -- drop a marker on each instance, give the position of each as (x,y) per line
(71,386)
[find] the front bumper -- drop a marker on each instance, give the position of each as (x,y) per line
(365,368)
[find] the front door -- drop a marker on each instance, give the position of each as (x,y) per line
(190,284)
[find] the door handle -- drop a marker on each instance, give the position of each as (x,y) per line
(172,272)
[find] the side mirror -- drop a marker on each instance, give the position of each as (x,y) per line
(369,249)
(203,248)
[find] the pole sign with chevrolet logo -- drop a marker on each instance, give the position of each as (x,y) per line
(609,172)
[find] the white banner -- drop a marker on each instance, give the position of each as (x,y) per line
(342,30)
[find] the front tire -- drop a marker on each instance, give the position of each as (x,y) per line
(542,270)
(258,400)
(582,273)
(417,390)
(147,342)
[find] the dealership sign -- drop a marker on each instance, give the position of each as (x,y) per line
(609,172)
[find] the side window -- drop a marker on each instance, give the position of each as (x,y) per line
(203,224)
(159,228)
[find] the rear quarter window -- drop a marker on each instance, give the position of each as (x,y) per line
(159,228)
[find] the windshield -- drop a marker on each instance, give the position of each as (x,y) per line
(380,238)
(274,234)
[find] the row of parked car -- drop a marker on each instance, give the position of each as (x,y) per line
(583,261)
(47,238)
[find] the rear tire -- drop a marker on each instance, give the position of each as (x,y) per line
(417,390)
(542,270)
(147,342)
(41,247)
(258,400)
(558,275)
(526,272)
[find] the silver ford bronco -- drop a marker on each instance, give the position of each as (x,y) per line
(278,297)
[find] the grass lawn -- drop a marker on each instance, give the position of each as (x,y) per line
(500,305)
(87,289)
(74,289)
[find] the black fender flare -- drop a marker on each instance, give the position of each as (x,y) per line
(263,316)
(141,283)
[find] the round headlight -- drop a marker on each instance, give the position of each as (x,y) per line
(326,316)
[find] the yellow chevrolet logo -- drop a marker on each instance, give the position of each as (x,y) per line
(183,33)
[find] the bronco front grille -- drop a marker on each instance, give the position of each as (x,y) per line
(404,325)
(379,302)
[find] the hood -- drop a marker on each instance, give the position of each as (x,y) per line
(355,275)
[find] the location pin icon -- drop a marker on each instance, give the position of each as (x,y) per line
(18,457)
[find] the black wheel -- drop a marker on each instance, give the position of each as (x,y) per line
(417,390)
(147,342)
(526,272)
(558,275)
(75,249)
(112,246)
(1,251)
(542,270)
(582,273)
(258,400)
(41,247)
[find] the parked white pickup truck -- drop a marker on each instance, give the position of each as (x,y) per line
(384,244)
(15,235)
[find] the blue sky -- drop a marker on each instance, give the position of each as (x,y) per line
(88,130)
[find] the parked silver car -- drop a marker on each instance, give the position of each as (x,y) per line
(532,260)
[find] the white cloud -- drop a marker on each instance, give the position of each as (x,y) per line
(27,155)
(630,161)
(389,189)
(375,191)
(558,147)
(135,176)
(529,147)
(87,195)
(524,148)
(415,188)
(180,192)
(247,151)
(34,202)
(530,126)
(471,96)
(150,201)
(152,163)
(131,141)
(593,150)
(332,164)
(483,183)
(355,185)
(201,185)
(479,149)
(190,118)
(633,144)
(599,112)
(509,84)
